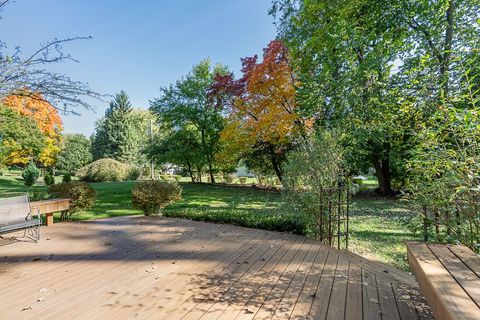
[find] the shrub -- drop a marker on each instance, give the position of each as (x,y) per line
(67,177)
(48,178)
(444,176)
(104,170)
(294,223)
(134,173)
(227,178)
(30,174)
(37,195)
(242,180)
(177,178)
(152,196)
(310,171)
(82,196)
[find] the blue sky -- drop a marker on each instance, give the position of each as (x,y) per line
(141,45)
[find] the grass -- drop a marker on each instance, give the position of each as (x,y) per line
(243,207)
(377,227)
(378,230)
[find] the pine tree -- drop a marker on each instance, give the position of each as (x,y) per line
(122,132)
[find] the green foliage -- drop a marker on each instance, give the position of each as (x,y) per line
(81,194)
(30,174)
(312,167)
(153,196)
(242,180)
(122,133)
(191,121)
(20,137)
(75,153)
(279,222)
(445,174)
(378,70)
(104,170)
(48,178)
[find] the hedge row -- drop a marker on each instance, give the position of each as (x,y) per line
(275,222)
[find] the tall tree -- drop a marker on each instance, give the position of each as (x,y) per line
(48,121)
(442,36)
(345,51)
(122,133)
(188,106)
(261,106)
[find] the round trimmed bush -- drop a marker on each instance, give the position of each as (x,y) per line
(82,196)
(153,196)
(104,170)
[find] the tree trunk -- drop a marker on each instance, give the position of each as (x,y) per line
(210,170)
(445,63)
(190,172)
(199,174)
(275,164)
(209,157)
(382,171)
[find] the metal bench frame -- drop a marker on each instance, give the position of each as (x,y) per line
(22,219)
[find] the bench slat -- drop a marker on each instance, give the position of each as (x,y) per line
(468,257)
(464,276)
(446,297)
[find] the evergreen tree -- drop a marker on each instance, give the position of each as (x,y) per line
(122,133)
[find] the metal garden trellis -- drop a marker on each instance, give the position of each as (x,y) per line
(333,216)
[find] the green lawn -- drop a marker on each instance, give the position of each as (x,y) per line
(376,226)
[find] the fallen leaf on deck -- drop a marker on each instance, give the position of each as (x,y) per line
(373,300)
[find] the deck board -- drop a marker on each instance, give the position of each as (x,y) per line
(160,268)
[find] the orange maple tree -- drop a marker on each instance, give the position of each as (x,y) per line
(262,110)
(47,119)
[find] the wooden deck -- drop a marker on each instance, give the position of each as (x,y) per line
(158,268)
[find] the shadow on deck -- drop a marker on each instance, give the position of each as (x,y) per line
(159,268)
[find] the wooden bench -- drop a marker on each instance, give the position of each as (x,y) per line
(449,278)
(48,207)
(16,214)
